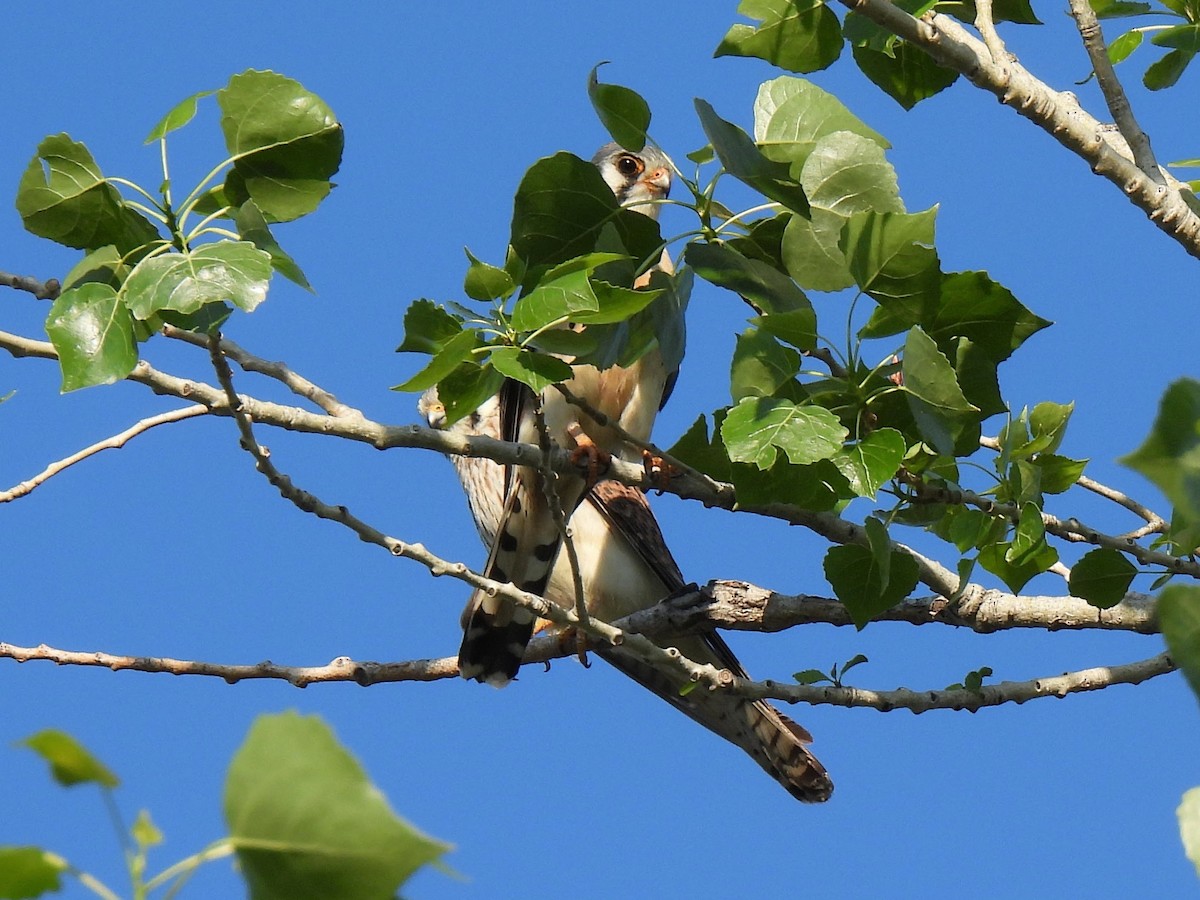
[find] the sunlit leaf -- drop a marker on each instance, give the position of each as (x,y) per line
(797,35)
(758,426)
(538,370)
(744,161)
(92,332)
(623,112)
(64,197)
(486,282)
(180,114)
(870,463)
(285,140)
(70,762)
(306,822)
(761,285)
(234,271)
(792,114)
(446,359)
(27,872)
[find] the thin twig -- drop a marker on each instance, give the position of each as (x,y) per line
(1154,522)
(985,24)
(43,290)
(1071,529)
(549,647)
(1094,679)
(1114,92)
(112,443)
(280,371)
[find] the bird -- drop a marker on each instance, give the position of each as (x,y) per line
(625,566)
(528,536)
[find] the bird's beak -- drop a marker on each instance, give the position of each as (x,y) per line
(658,183)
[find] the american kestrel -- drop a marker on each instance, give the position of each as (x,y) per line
(625,566)
(527,537)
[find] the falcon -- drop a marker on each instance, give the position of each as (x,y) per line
(625,566)
(526,538)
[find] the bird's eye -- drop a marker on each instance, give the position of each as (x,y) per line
(629,165)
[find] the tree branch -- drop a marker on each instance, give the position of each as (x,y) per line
(1058,114)
(1114,93)
(548,647)
(738,606)
(42,290)
(280,371)
(112,443)
(963,699)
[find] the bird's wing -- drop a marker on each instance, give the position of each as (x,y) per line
(774,741)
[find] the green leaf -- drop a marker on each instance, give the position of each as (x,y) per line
(27,872)
(798,327)
(1102,577)
(464,390)
(180,114)
(972,305)
(1029,536)
(1116,9)
(538,370)
(744,161)
(859,581)
(812,252)
(236,271)
(623,113)
(448,357)
(848,173)
(892,258)
(485,282)
(1179,616)
(64,197)
(993,558)
(92,331)
(428,327)
(696,449)
(560,209)
(792,114)
(1180,37)
(763,287)
(934,397)
(1166,71)
(101,266)
(811,676)
(252,226)
(1170,455)
(872,462)
(145,832)
(1058,473)
(1125,44)
(306,822)
(761,365)
(615,304)
(1188,814)
(758,425)
(1019,12)
(908,74)
(70,762)
(764,239)
(285,141)
(797,35)
(816,486)
(556,299)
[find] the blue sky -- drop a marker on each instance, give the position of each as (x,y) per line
(576,781)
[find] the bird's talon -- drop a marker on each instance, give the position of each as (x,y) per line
(658,470)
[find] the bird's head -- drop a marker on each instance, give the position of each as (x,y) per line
(636,178)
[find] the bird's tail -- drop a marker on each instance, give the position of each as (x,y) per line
(771,739)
